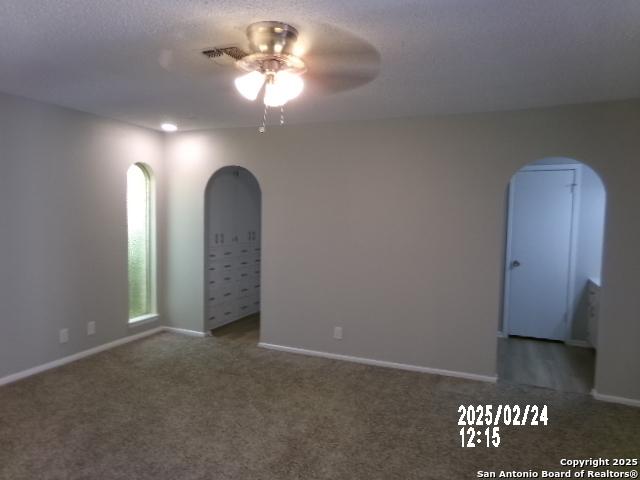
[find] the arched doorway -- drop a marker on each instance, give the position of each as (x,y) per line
(233,207)
(552,279)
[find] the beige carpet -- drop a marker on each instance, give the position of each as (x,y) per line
(175,407)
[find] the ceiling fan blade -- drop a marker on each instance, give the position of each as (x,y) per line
(185,57)
(334,82)
(193,63)
(338,60)
(234,52)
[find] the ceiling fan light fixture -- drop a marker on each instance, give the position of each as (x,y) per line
(282,87)
(250,84)
(291,83)
(274,96)
(269,63)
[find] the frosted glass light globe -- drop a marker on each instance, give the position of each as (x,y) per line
(249,85)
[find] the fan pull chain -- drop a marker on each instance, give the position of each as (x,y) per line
(263,128)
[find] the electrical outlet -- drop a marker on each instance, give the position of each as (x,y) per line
(337,333)
(64,335)
(91,328)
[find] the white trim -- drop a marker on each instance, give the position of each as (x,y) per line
(501,334)
(380,363)
(14,377)
(576,191)
(314,353)
(631,402)
(76,356)
(507,260)
(143,319)
(184,331)
(578,343)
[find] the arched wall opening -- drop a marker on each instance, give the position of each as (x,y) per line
(552,275)
(232,273)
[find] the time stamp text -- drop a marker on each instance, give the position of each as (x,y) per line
(480,427)
(481,423)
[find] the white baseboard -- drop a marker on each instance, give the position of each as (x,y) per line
(14,377)
(380,363)
(76,356)
(314,353)
(184,331)
(613,399)
(578,343)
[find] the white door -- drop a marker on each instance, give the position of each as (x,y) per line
(540,248)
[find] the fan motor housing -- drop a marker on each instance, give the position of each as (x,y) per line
(272,37)
(272,45)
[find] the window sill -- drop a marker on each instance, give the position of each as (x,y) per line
(143,319)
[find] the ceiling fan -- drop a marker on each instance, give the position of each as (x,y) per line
(271,62)
(276,64)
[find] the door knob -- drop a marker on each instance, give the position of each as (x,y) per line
(515,264)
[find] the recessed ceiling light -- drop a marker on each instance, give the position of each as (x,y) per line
(169,127)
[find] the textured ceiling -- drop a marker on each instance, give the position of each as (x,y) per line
(138,60)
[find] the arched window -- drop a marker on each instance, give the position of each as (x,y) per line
(140,242)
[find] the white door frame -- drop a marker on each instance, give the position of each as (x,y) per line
(575,215)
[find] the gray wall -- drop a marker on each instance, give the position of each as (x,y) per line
(395,231)
(63,239)
(392,229)
(589,246)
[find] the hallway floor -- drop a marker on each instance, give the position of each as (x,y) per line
(245,331)
(544,363)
